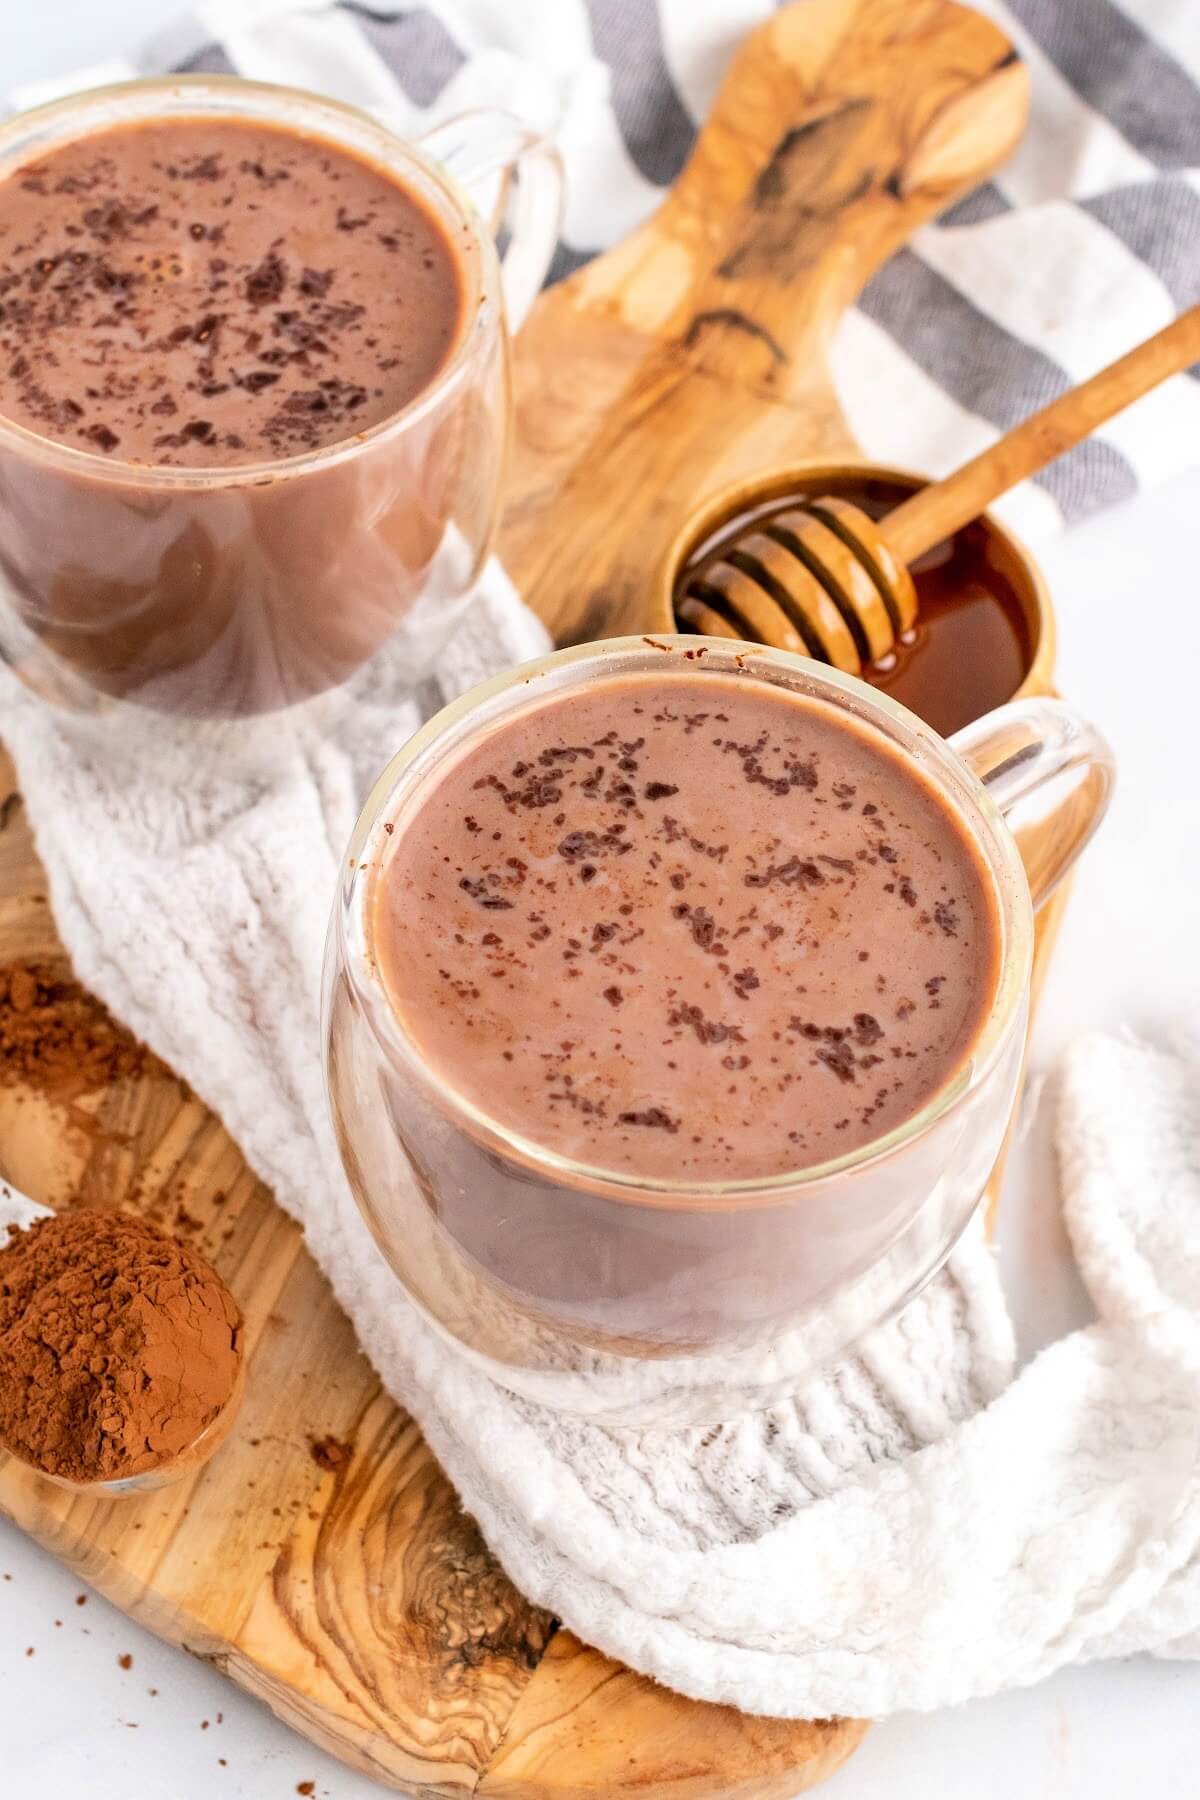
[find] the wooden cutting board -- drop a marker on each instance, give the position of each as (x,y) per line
(342,1583)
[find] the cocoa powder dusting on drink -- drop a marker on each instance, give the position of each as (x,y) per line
(209,292)
(118,1346)
(672,924)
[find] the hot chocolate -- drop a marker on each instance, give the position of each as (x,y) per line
(204,292)
(228,298)
(686,928)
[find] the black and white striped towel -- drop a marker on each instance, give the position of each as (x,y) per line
(1085,243)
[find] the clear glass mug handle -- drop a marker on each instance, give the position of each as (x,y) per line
(1050,773)
(475,146)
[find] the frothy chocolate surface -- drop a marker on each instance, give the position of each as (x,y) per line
(213,292)
(689,926)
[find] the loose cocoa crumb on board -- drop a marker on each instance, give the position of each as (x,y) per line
(329,1452)
(57,1038)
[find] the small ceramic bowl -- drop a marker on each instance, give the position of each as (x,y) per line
(880,487)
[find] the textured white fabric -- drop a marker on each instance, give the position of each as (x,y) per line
(913,1529)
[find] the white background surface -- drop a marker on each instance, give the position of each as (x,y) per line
(1127,589)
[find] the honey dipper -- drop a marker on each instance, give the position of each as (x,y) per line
(821,578)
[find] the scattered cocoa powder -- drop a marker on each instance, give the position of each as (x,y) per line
(118,1346)
(329,1452)
(59,1039)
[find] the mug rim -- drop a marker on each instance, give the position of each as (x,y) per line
(480,303)
(955,783)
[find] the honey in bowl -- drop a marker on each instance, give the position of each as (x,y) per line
(978,614)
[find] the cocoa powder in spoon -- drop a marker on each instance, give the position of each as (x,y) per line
(118,1346)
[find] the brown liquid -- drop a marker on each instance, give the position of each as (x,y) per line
(189,295)
(687,926)
(212,292)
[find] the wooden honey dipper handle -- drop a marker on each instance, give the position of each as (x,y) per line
(935,513)
(822,579)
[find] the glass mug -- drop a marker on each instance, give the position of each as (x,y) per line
(236,590)
(638,1301)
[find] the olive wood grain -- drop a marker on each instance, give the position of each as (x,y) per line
(352,1595)
(694,354)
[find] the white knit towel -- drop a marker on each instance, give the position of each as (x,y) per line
(912,1529)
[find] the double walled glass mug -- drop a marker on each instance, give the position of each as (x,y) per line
(639,1301)
(234,590)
